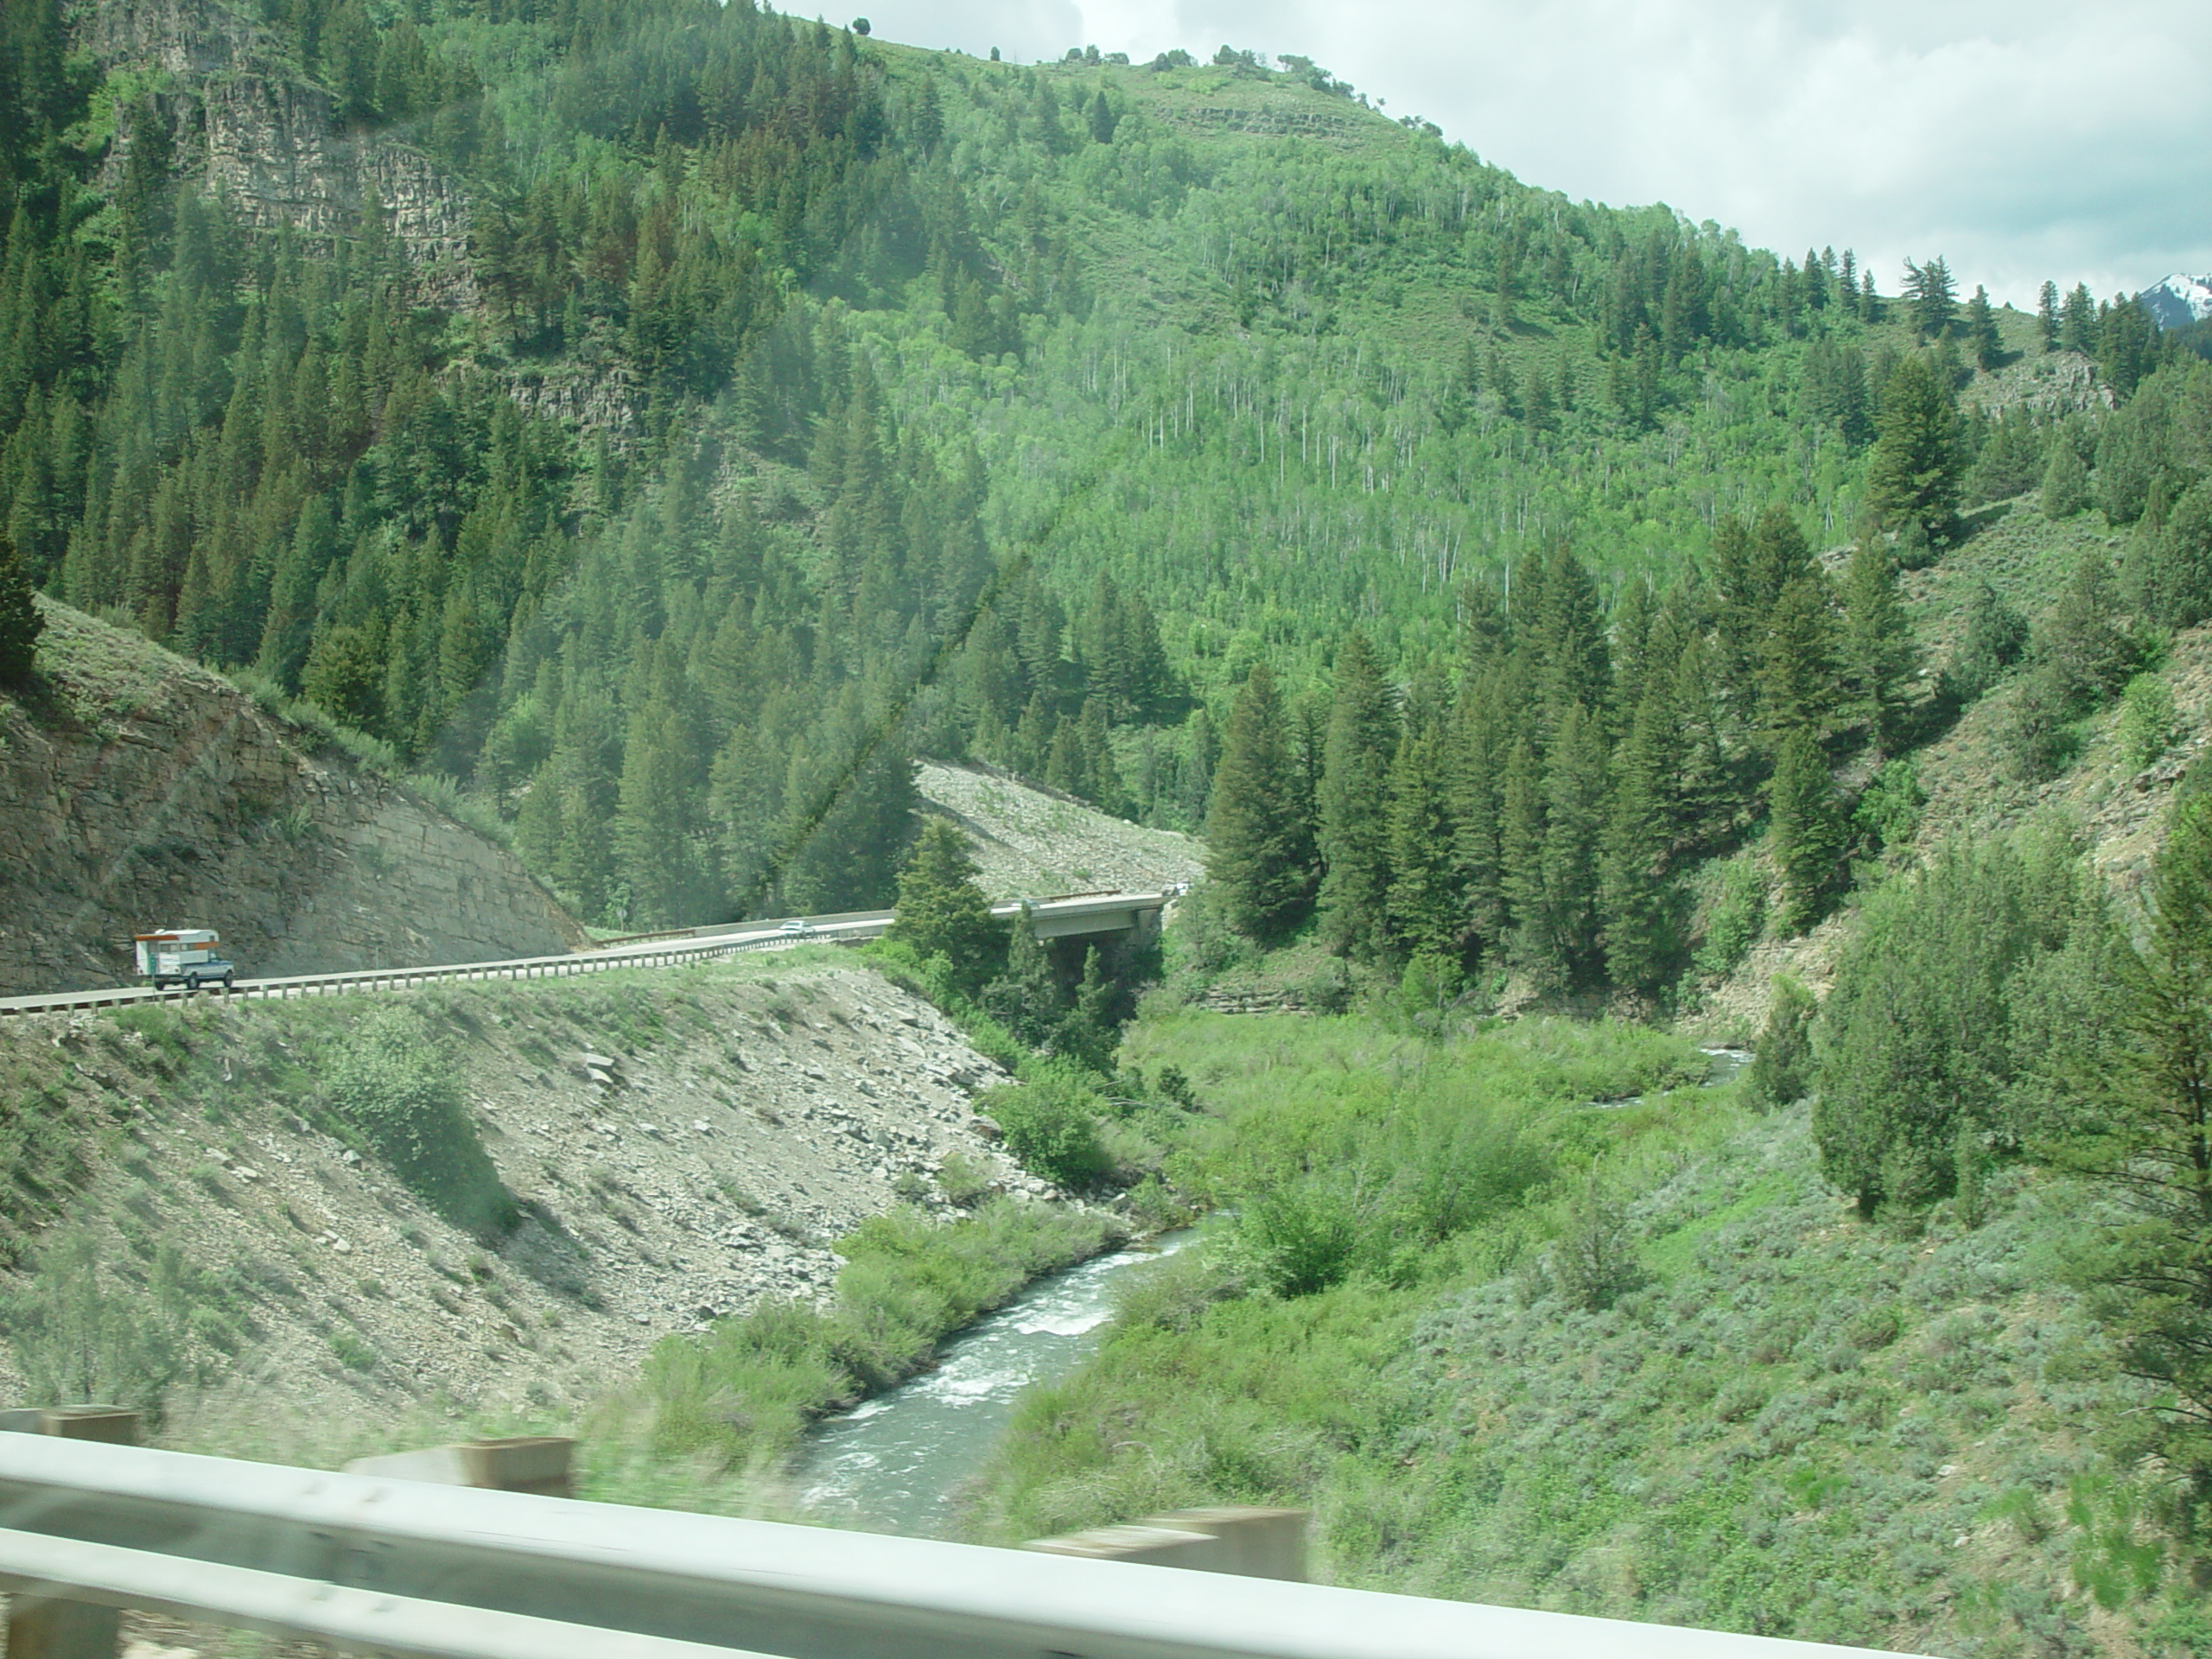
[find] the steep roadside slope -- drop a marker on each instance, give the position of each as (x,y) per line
(1030,841)
(138,790)
(673,1147)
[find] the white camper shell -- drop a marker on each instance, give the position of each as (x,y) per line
(183,956)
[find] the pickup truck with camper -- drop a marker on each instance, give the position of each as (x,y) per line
(183,956)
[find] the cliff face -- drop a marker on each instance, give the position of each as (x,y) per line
(138,790)
(243,118)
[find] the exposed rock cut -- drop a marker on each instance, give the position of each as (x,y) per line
(138,790)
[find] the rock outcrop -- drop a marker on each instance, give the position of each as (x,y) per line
(138,791)
(243,120)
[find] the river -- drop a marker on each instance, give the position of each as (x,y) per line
(895,1463)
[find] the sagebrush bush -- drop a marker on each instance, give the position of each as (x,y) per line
(389,1079)
(1050,1120)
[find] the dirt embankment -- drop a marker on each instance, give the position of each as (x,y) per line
(1032,843)
(139,791)
(680,1145)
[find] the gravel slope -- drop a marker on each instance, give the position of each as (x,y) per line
(1032,843)
(755,1110)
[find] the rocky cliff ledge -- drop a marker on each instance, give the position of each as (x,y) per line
(245,121)
(137,790)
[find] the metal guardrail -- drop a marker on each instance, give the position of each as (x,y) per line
(329,1555)
(662,955)
(643,950)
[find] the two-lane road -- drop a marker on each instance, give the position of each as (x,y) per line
(1054,918)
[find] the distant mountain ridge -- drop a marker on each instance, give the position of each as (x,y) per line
(2178,300)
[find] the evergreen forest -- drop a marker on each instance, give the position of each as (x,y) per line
(798,404)
(660,427)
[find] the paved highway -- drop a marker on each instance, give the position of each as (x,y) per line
(1054,918)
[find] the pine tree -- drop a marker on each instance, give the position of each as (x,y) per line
(1636,899)
(1913,475)
(1086,1032)
(2081,643)
(1566,953)
(2127,347)
(1354,797)
(1754,565)
(1808,828)
(2077,321)
(1027,999)
(1103,784)
(1781,1069)
(1797,666)
(942,911)
(848,813)
(1479,745)
(1421,906)
(1201,755)
(1259,839)
(654,858)
(2065,481)
(2047,315)
(21,622)
(1569,639)
(1933,295)
(1521,856)
(1878,648)
(2150,1144)
(1982,337)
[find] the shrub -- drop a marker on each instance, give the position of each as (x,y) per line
(2147,721)
(1051,1122)
(390,1080)
(1594,1263)
(1301,1238)
(1175,1293)
(745,1391)
(962,1180)
(81,1338)
(1736,920)
(1887,813)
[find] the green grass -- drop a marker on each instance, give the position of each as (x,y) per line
(1789,1420)
(743,1394)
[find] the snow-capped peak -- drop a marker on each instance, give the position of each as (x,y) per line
(2178,300)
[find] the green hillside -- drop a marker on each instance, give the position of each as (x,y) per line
(1656,1370)
(666,421)
(908,405)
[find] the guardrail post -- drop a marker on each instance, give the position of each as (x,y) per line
(1252,1543)
(52,1626)
(526,1463)
(41,1629)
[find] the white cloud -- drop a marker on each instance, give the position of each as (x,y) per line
(2044,140)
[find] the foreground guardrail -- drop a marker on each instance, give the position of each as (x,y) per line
(460,1573)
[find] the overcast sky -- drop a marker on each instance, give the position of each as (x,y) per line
(2021,142)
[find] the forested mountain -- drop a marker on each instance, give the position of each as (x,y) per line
(668,418)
